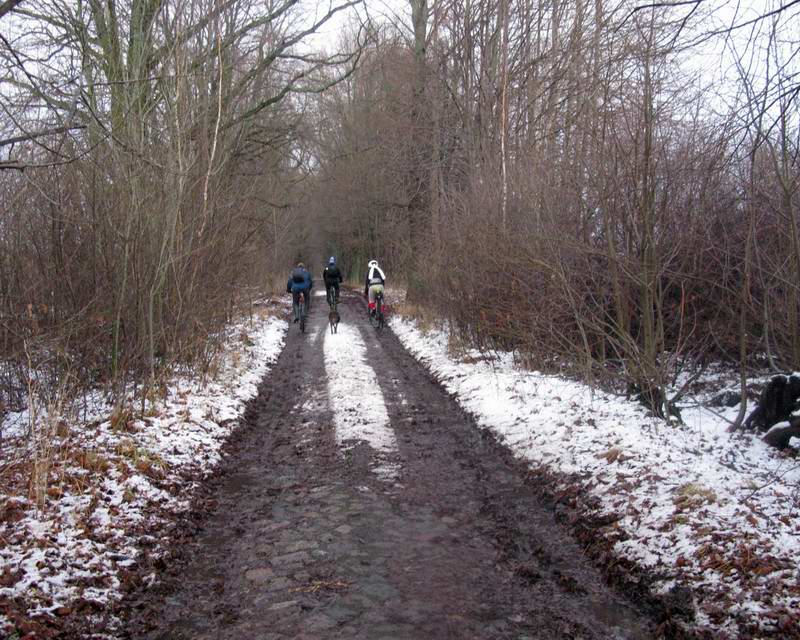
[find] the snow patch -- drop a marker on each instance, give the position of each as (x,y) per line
(359,411)
(118,481)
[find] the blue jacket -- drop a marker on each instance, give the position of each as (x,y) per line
(305,285)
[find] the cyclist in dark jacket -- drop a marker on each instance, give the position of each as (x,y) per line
(332,278)
(299,282)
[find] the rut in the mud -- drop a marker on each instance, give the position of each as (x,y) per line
(360,502)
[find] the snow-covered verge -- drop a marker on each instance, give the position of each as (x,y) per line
(115,483)
(689,504)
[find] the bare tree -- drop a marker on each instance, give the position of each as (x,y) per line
(137,124)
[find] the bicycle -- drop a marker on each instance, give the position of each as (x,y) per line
(304,307)
(332,296)
(377,319)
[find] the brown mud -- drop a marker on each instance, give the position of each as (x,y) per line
(294,538)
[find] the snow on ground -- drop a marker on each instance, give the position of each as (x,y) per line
(117,482)
(691,503)
(359,412)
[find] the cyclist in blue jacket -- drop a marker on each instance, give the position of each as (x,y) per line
(299,282)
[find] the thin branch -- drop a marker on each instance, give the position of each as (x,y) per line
(291,87)
(8,6)
(747,23)
(41,134)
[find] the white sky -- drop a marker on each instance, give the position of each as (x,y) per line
(329,35)
(713,60)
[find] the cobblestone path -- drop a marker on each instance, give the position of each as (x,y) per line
(305,539)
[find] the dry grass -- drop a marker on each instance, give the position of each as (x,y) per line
(270,309)
(121,418)
(322,585)
(245,338)
(49,427)
(92,461)
(426,320)
(144,461)
(692,494)
(457,347)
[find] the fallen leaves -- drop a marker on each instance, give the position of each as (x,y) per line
(10,577)
(13,510)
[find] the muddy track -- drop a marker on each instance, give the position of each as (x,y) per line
(303,535)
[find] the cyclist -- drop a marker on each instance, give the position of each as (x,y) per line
(332,278)
(374,283)
(299,282)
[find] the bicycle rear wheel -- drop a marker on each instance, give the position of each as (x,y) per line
(377,319)
(373,315)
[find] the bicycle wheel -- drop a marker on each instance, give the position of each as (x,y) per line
(376,319)
(373,317)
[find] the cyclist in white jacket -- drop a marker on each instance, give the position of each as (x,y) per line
(374,283)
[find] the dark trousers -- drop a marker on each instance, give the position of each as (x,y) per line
(296,302)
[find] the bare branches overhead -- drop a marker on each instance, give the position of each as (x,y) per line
(7,6)
(104,66)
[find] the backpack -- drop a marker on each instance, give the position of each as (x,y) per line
(376,276)
(298,275)
(332,274)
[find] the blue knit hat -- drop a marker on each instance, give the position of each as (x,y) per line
(331,260)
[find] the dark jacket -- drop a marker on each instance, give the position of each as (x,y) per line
(331,275)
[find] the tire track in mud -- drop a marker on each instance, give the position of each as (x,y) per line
(302,539)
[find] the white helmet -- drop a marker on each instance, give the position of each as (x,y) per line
(373,263)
